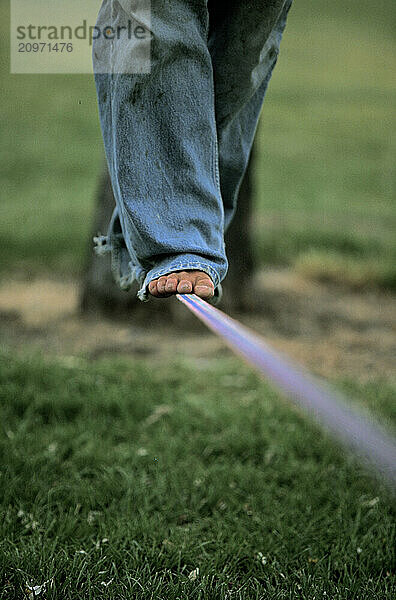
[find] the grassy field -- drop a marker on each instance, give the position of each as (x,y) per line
(325,169)
(124,478)
(116,488)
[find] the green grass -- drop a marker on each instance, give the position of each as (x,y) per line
(325,174)
(98,485)
(326,171)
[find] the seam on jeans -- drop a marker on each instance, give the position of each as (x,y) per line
(112,65)
(216,160)
(115,183)
(215,144)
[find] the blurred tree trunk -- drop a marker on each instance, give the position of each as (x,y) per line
(100,295)
(238,286)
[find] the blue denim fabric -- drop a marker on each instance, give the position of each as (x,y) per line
(178,140)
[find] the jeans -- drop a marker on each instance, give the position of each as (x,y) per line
(178,139)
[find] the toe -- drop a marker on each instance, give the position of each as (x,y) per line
(204,291)
(153,288)
(161,284)
(204,287)
(171,283)
(185,286)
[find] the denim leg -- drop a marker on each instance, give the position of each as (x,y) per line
(160,138)
(244,44)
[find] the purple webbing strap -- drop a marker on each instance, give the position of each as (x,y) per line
(360,433)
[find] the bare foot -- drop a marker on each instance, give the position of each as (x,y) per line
(183,282)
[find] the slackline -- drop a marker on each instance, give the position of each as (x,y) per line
(359,432)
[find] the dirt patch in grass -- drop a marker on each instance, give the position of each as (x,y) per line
(334,332)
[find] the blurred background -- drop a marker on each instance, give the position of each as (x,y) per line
(324,175)
(314,243)
(82,362)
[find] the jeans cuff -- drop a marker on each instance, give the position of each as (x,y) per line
(182,263)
